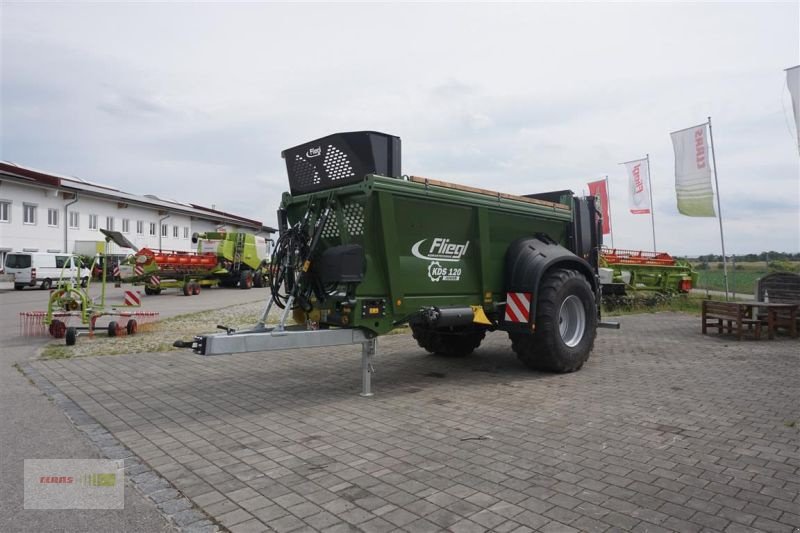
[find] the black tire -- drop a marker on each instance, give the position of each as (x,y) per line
(148,291)
(451,342)
(258,280)
(196,288)
(188,289)
(113,329)
(47,284)
(157,291)
(84,282)
(566,325)
(132,327)
(19,286)
(71,336)
(246,280)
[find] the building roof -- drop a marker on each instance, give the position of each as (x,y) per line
(78,185)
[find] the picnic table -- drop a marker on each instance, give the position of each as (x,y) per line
(750,314)
(778,314)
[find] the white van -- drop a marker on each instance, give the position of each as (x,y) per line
(44,269)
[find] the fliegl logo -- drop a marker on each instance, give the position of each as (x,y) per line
(314,152)
(440,249)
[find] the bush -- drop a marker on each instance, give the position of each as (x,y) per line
(783,266)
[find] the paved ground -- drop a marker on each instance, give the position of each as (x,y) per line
(663,429)
(31,427)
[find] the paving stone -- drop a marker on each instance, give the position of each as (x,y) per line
(663,427)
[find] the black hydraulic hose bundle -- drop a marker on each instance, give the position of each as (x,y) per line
(292,258)
(290,248)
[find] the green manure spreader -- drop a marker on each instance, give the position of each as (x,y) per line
(364,249)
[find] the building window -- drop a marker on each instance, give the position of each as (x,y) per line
(5,211)
(52,217)
(28,214)
(152,228)
(110,223)
(164,230)
(175,231)
(126,225)
(74,219)
(186,232)
(92,221)
(140,227)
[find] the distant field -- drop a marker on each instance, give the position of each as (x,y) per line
(743,281)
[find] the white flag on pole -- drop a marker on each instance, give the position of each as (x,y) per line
(693,172)
(793,83)
(638,180)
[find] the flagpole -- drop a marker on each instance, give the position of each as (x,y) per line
(608,199)
(652,216)
(719,209)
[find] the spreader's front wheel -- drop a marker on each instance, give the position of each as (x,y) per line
(451,342)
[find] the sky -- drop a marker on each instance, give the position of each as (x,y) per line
(195,101)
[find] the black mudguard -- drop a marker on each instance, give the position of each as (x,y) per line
(527,260)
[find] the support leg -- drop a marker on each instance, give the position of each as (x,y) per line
(367,352)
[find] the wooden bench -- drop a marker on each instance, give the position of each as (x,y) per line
(734,315)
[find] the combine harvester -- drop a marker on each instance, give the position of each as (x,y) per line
(622,271)
(239,259)
(71,311)
(363,250)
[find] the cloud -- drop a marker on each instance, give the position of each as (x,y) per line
(519,98)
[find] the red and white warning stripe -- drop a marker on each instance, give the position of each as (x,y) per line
(132,299)
(155,280)
(518,305)
(138,269)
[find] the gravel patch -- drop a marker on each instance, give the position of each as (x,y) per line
(159,336)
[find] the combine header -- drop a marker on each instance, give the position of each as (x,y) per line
(363,249)
(623,270)
(239,259)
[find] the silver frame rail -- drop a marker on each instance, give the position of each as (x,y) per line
(262,339)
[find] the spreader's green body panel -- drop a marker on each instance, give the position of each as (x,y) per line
(425,245)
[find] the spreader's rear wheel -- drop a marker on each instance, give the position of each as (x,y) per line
(566,325)
(451,342)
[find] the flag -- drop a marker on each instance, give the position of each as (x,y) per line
(638,180)
(599,188)
(793,83)
(693,172)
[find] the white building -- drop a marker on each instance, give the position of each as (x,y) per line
(43,212)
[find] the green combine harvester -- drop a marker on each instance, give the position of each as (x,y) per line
(363,250)
(235,260)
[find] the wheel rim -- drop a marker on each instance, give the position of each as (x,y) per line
(571,321)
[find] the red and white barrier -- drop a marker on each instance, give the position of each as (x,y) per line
(518,305)
(132,299)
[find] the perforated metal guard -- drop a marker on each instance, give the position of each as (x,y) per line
(341,159)
(353,215)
